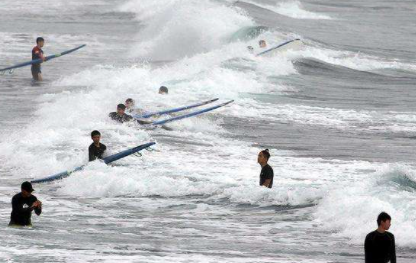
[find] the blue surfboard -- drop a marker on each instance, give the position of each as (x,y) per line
(151,114)
(36,61)
(276,47)
(195,113)
(106,160)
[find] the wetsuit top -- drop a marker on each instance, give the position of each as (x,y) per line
(380,247)
(122,118)
(37,53)
(22,211)
(266,173)
(95,152)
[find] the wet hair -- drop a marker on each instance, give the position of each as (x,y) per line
(266,153)
(163,89)
(383,216)
(94,133)
(262,41)
(130,100)
(121,106)
(39,39)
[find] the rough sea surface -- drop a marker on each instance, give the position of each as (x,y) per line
(337,110)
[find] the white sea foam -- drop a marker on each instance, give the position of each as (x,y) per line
(183,28)
(352,209)
(293,9)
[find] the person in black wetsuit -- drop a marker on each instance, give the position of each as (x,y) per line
(37,53)
(379,246)
(266,175)
(120,115)
(96,149)
(23,204)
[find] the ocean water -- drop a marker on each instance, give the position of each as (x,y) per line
(337,111)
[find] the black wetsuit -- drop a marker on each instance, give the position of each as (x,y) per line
(122,118)
(22,211)
(380,248)
(95,152)
(266,173)
(36,68)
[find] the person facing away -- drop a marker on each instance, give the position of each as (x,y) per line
(23,204)
(96,149)
(262,44)
(120,115)
(266,174)
(163,90)
(379,245)
(37,53)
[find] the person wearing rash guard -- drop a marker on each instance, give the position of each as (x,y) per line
(23,204)
(120,115)
(266,175)
(379,245)
(96,149)
(37,53)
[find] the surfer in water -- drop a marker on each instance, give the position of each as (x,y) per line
(23,204)
(96,149)
(131,107)
(250,49)
(266,174)
(379,245)
(262,43)
(163,90)
(121,116)
(37,53)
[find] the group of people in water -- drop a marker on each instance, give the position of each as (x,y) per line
(262,44)
(379,244)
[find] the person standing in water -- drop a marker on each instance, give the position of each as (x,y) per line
(266,175)
(379,245)
(96,149)
(37,53)
(23,204)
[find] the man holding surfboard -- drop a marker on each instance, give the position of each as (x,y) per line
(37,53)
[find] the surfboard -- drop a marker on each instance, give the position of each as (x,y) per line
(151,114)
(195,113)
(107,160)
(277,47)
(35,61)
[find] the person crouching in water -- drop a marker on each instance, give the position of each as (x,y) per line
(120,115)
(23,204)
(96,149)
(266,175)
